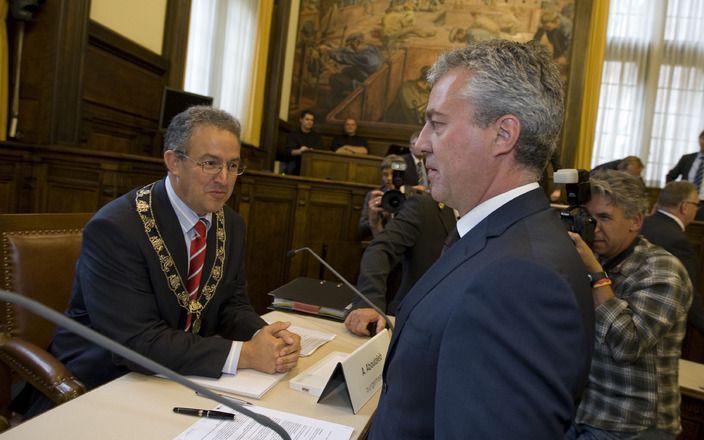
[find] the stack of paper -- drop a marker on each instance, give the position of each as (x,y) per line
(250,383)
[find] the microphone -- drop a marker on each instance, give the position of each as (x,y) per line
(143,361)
(364,298)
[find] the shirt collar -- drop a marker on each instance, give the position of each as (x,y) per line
(471,219)
(187,218)
(675,218)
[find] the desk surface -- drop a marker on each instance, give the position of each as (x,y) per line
(140,407)
(692,379)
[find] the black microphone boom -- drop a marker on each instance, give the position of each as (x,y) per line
(347,283)
(107,343)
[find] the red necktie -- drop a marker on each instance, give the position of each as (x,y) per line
(195,265)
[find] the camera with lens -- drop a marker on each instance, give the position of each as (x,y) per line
(575,217)
(393,199)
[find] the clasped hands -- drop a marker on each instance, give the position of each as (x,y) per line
(273,349)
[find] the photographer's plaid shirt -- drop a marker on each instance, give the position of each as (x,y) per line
(633,378)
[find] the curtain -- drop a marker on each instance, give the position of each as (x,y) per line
(221,59)
(651,100)
(4,71)
(593,64)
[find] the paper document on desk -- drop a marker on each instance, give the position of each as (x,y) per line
(311,339)
(298,427)
(250,383)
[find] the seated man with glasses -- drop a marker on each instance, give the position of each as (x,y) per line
(675,209)
(161,271)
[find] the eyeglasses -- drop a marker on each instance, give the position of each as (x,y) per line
(214,167)
(692,203)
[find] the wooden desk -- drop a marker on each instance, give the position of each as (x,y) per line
(136,406)
(692,408)
(359,168)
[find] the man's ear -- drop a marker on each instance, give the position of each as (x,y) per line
(172,161)
(636,222)
(508,129)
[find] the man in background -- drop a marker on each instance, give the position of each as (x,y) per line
(303,138)
(691,167)
(641,297)
(675,209)
(502,323)
(349,142)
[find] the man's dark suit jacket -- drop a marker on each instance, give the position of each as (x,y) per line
(495,340)
(413,238)
(121,291)
(664,231)
(684,165)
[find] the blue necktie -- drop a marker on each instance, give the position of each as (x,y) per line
(700,173)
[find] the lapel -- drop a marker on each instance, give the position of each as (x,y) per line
(466,248)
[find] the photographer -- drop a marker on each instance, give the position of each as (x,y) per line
(414,238)
(640,311)
(373,218)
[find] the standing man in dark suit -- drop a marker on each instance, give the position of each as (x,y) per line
(161,269)
(676,208)
(414,239)
(495,339)
(685,168)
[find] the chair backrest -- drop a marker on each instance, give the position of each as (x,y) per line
(39,255)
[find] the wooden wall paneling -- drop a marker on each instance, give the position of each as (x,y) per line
(51,72)
(122,94)
(268,207)
(70,186)
(11,180)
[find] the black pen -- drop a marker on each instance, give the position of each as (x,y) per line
(209,413)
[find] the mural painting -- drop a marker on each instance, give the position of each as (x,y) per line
(368,59)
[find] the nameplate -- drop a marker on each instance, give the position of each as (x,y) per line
(359,375)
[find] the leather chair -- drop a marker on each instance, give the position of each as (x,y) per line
(39,255)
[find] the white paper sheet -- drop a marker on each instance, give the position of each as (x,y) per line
(298,427)
(311,339)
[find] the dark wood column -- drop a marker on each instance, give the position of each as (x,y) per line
(52,72)
(175,46)
(274,75)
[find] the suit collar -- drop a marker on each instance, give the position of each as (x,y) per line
(669,217)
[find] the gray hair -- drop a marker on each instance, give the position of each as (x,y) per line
(622,189)
(512,78)
(387,160)
(675,193)
(178,134)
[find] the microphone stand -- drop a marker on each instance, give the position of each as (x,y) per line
(347,283)
(107,343)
